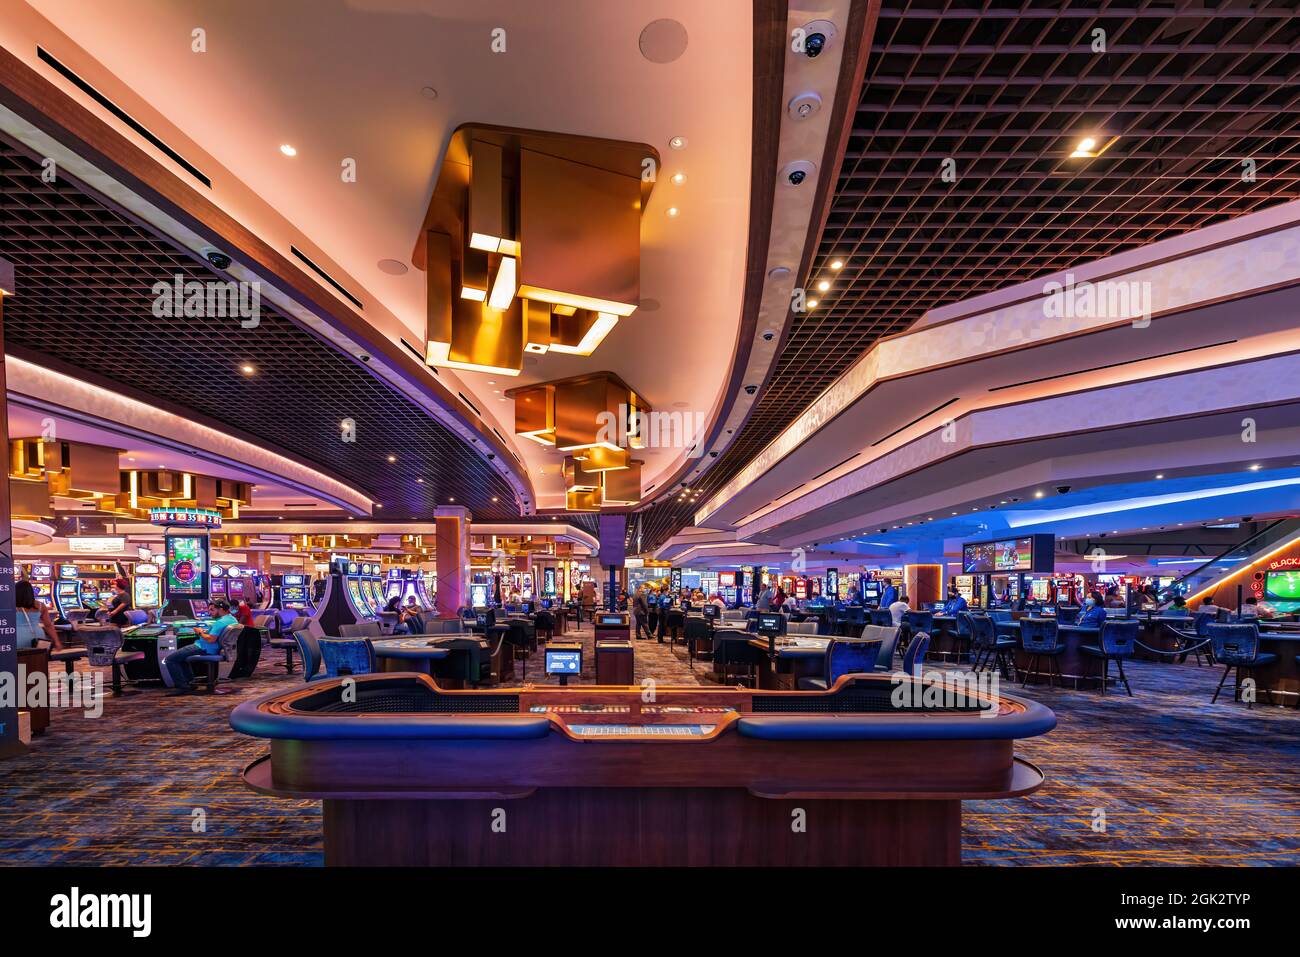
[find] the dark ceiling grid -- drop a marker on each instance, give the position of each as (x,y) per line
(1002,87)
(86,274)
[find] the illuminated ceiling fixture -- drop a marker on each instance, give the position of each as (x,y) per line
(837,264)
(288,150)
(811,304)
(247,369)
(501,192)
(678,142)
(1088,148)
(678,179)
(673,212)
(823,286)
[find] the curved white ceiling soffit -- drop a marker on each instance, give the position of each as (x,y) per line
(52,393)
(815,93)
(1009,347)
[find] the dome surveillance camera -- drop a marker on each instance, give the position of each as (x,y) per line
(751,389)
(1062,489)
(817,37)
(769,335)
(492,456)
(218,259)
(798,171)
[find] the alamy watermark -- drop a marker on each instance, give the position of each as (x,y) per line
(632,428)
(208,300)
(1107,299)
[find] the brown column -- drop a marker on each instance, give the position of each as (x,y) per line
(9,743)
(452,559)
(924,583)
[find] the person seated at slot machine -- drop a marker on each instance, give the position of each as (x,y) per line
(33,622)
(1025,600)
(955,602)
(719,601)
(119,604)
(412,616)
(244,615)
(207,641)
(1094,612)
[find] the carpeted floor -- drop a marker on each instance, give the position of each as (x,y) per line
(155,781)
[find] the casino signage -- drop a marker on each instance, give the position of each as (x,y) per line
(186,517)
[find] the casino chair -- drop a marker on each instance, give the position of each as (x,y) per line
(732,648)
(308,646)
(696,630)
(846,656)
(1237,646)
(471,663)
(228,641)
(362,629)
(290,645)
(103,645)
(915,654)
(806,627)
(521,644)
(1201,624)
(674,624)
(986,644)
(1067,614)
(1039,639)
(918,621)
(347,656)
(888,636)
(881,616)
(1118,640)
(544,624)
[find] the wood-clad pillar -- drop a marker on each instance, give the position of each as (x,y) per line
(924,584)
(10,744)
(452,558)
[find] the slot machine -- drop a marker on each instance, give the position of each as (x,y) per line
(42,579)
(67,590)
(146,586)
(293,592)
(217,588)
(395,584)
(237,586)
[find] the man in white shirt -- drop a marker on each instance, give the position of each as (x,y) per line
(898,609)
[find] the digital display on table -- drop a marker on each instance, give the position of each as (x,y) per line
(614,621)
(711,610)
(771,623)
(1282,586)
(563,662)
(187,564)
(1032,553)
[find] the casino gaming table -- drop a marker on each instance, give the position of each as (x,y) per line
(145,638)
(412,774)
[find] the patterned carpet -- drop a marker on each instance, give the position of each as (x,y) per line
(1178,781)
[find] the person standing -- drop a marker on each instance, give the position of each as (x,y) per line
(889,596)
(641,612)
(119,604)
(34,622)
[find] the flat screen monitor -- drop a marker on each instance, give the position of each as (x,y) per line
(1049,611)
(564,661)
(485,618)
(871,590)
(68,572)
(727,579)
(1030,553)
(1282,590)
(771,623)
(610,620)
(187,565)
(711,610)
(198,608)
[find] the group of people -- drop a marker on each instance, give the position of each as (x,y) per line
(410,616)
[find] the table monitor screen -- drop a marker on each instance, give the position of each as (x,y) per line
(611,621)
(711,610)
(566,662)
(486,618)
(771,623)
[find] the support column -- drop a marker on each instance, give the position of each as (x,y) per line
(452,538)
(10,745)
(612,555)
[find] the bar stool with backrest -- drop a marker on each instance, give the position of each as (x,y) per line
(1237,646)
(341,657)
(696,630)
(881,616)
(732,647)
(309,650)
(290,644)
(1116,643)
(844,656)
(1067,614)
(1038,638)
(985,645)
(103,645)
(674,624)
(544,624)
(915,654)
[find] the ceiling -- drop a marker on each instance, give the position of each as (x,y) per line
(340,79)
(1007,92)
(85,299)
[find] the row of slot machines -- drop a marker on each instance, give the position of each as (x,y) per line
(67,587)
(237,584)
(406,583)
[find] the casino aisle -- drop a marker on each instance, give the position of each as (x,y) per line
(665,663)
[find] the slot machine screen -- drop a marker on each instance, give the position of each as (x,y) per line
(478,596)
(43,590)
(146,592)
(68,572)
(199,607)
(727,579)
(237,589)
(187,564)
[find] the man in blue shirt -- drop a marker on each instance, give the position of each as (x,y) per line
(1093,614)
(208,642)
(955,602)
(889,596)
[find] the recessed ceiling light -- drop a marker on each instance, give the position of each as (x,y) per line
(494,498)
(1036,495)
(811,304)
(392,458)
(673,212)
(1256,468)
(428,92)
(288,150)
(452,499)
(678,142)
(837,264)
(247,369)
(678,179)
(823,286)
(419,481)
(1086,145)
(1160,475)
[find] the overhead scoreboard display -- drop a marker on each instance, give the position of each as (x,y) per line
(1029,553)
(187,565)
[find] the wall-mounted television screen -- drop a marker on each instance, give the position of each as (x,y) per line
(1029,553)
(1282,590)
